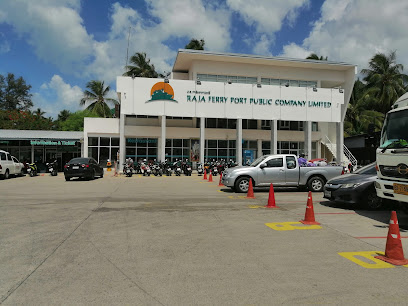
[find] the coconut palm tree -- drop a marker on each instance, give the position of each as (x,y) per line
(360,112)
(314,56)
(140,67)
(96,96)
(63,115)
(195,44)
(38,112)
(385,80)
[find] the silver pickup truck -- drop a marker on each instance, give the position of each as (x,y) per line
(281,170)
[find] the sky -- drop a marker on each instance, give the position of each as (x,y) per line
(58,46)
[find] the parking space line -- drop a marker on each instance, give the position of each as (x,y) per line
(288,226)
(376,237)
(376,263)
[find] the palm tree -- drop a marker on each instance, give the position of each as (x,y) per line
(360,113)
(314,56)
(63,115)
(195,44)
(96,95)
(38,112)
(385,80)
(140,67)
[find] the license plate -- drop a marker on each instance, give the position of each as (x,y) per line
(400,189)
(327,193)
(75,167)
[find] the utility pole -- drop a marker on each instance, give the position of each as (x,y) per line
(127,50)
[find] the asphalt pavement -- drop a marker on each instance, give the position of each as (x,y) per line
(184,241)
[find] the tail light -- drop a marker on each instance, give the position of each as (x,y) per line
(376,167)
(66,166)
(85,166)
(342,171)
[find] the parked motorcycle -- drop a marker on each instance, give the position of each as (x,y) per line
(52,168)
(177,170)
(200,169)
(32,169)
(157,170)
(128,170)
(147,170)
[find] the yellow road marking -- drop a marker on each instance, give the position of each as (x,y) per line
(288,226)
(256,206)
(376,263)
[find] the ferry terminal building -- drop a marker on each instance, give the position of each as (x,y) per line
(224,106)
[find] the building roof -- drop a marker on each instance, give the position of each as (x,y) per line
(40,134)
(186,56)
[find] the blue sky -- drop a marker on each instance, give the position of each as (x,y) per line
(57,46)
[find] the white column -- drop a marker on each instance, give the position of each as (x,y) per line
(274,136)
(202,139)
(259,143)
(339,142)
(84,145)
(162,155)
(319,149)
(122,140)
(32,153)
(307,128)
(239,142)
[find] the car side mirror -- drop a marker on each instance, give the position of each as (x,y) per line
(263,165)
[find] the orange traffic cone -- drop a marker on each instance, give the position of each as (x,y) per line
(205,174)
(309,214)
(271,199)
(220,184)
(250,194)
(210,180)
(394,254)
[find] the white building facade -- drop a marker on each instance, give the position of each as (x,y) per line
(228,106)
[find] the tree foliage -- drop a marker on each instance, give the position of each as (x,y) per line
(96,96)
(24,120)
(314,56)
(195,44)
(75,121)
(14,93)
(385,80)
(140,66)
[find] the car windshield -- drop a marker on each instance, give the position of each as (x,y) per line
(367,170)
(79,160)
(395,131)
(258,161)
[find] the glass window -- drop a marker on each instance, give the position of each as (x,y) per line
(212,153)
(177,152)
(105,141)
(152,152)
(315,127)
(115,141)
(212,143)
(266,144)
(222,123)
(232,124)
(275,162)
(168,142)
(103,155)
(211,123)
(291,162)
(93,152)
(231,143)
(14,159)
(93,141)
(114,154)
(186,143)
(222,143)
(141,151)
(9,157)
(3,156)
(177,142)
(130,152)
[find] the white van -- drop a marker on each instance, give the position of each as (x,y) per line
(9,165)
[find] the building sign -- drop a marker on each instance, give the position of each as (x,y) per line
(52,142)
(145,96)
(141,140)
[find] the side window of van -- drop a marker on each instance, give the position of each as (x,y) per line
(9,157)
(3,156)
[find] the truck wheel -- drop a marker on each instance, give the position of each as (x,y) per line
(316,184)
(242,184)
(7,174)
(373,202)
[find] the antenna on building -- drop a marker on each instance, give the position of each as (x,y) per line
(127,50)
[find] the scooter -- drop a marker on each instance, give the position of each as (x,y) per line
(200,169)
(32,169)
(157,170)
(52,168)
(188,170)
(147,171)
(128,170)
(177,171)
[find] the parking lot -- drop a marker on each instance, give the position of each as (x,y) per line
(183,241)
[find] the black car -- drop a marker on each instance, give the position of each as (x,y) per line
(82,167)
(355,188)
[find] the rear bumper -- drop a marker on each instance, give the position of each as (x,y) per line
(344,195)
(80,173)
(385,190)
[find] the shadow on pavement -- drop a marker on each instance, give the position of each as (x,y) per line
(382,215)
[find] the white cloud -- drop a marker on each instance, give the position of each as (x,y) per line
(294,51)
(267,17)
(262,46)
(4,44)
(354,30)
(57,95)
